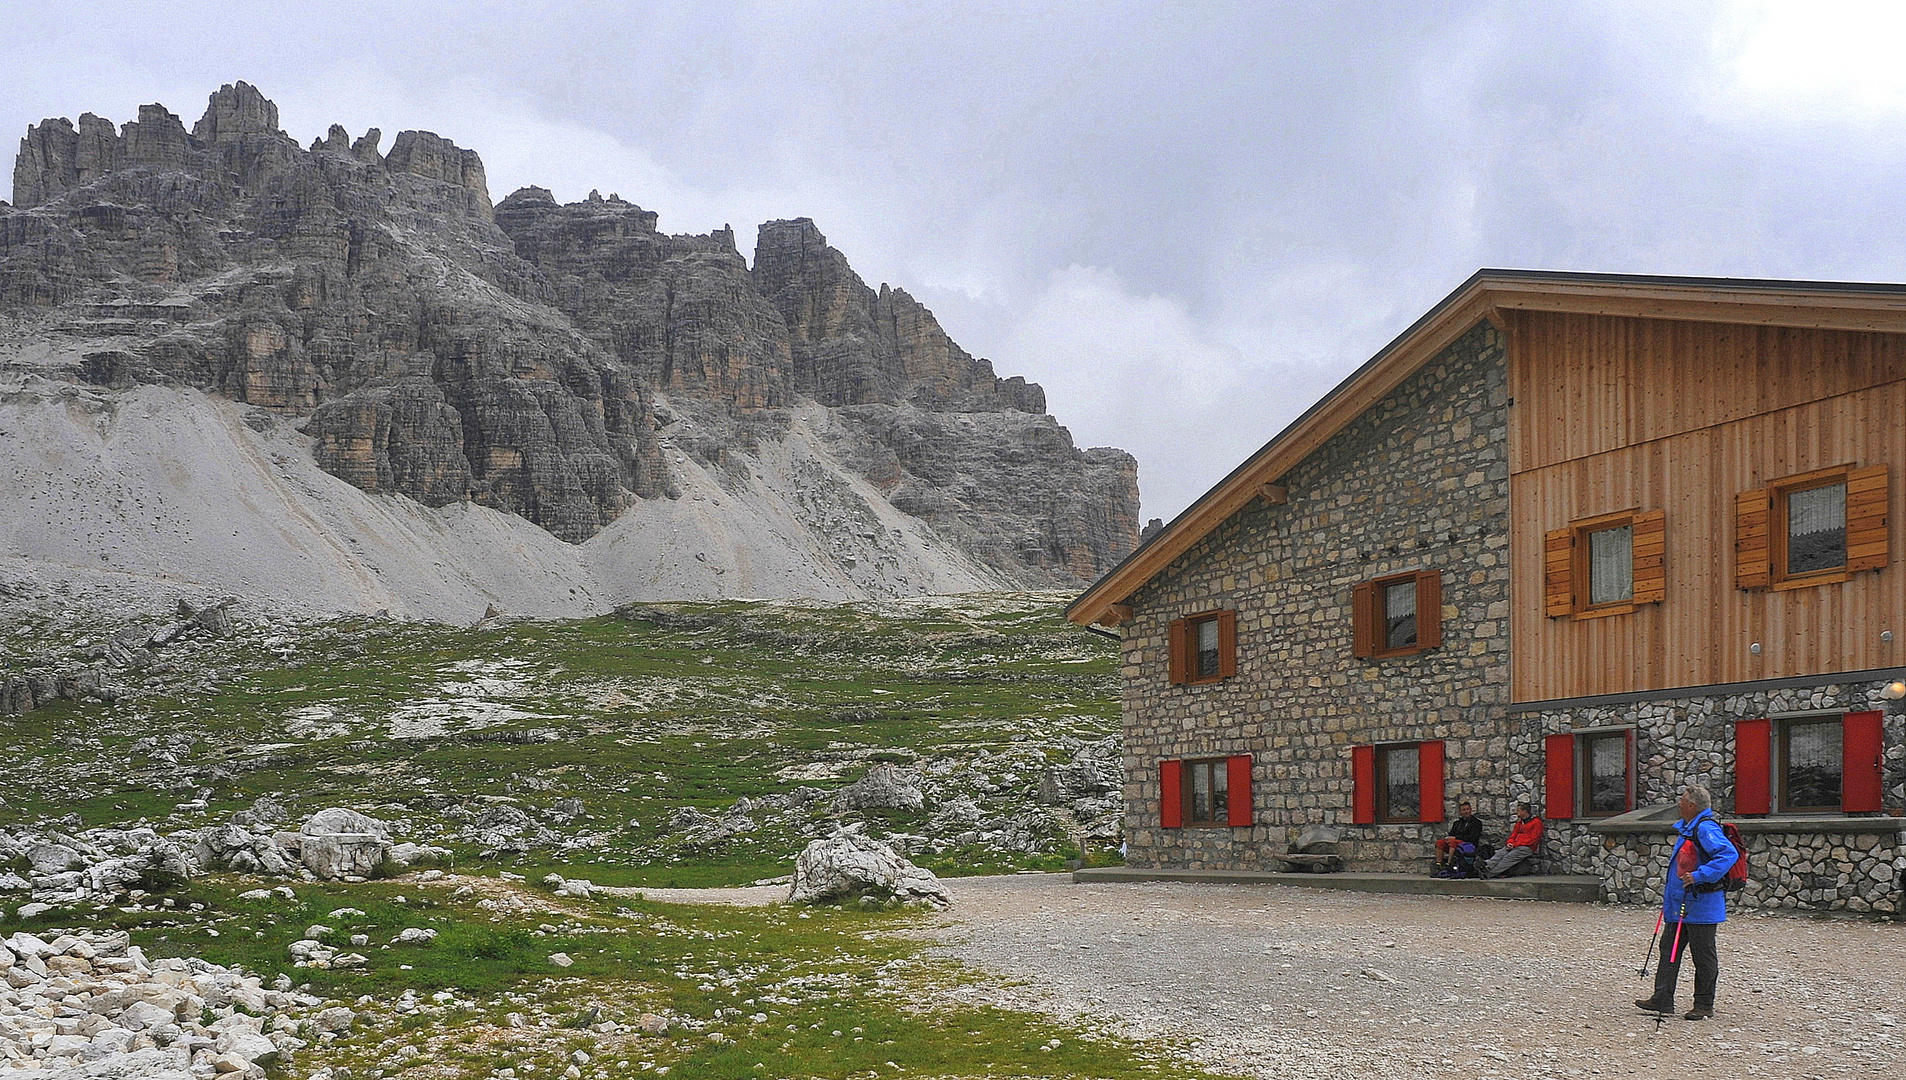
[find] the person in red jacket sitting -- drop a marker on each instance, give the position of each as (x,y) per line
(1524,838)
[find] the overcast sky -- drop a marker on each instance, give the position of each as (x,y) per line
(1187,220)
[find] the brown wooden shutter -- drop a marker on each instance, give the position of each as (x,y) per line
(1862,742)
(1363,780)
(1558,564)
(1429,614)
(1558,752)
(1227,644)
(1651,557)
(1429,772)
(1364,620)
(1753,540)
(1180,645)
(1237,782)
(1866,518)
(1753,743)
(1171,795)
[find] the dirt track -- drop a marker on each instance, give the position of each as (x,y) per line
(1279,981)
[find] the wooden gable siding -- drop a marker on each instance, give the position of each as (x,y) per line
(1613,414)
(1588,384)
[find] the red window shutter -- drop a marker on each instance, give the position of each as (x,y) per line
(1180,644)
(1227,644)
(1558,565)
(1558,786)
(1364,620)
(1237,783)
(1429,617)
(1866,519)
(1650,557)
(1171,796)
(1753,542)
(1753,739)
(1629,800)
(1861,743)
(1429,767)
(1363,776)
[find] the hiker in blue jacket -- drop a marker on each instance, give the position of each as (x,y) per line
(1693,905)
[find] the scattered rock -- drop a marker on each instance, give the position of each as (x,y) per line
(849,863)
(884,787)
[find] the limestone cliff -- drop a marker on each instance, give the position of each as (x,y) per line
(571,365)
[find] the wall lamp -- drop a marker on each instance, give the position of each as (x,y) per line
(1894,690)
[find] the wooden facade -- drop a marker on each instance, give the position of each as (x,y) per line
(1616,414)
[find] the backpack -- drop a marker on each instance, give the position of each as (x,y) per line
(1736,878)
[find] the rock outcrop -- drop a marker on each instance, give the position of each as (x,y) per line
(563,363)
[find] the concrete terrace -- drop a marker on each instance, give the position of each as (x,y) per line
(1571,888)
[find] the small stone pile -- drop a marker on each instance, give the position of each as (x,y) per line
(88,1004)
(111,865)
(71,867)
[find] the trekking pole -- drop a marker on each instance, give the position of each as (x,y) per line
(1674,952)
(1660,916)
(1680,920)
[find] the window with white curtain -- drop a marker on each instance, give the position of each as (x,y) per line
(1816,528)
(1611,565)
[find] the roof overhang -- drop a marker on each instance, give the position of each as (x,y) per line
(1830,305)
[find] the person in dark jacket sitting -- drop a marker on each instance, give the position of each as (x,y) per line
(1466,829)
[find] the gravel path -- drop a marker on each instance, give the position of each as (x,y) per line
(1283,981)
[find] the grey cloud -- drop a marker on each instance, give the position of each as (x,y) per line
(1264,193)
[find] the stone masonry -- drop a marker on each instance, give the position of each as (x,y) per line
(1419,482)
(1816,863)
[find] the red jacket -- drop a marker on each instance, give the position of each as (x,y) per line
(1525,833)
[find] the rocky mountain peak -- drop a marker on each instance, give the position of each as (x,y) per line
(237,110)
(571,364)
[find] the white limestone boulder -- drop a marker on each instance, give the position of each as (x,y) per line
(851,863)
(338,843)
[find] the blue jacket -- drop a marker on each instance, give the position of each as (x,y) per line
(1703,907)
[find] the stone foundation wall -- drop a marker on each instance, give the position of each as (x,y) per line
(1419,482)
(1852,864)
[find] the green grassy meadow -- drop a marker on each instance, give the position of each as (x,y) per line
(636,716)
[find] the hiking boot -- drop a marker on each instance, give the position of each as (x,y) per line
(1699,1014)
(1651,1005)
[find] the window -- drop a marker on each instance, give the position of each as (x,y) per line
(1815,532)
(1589,774)
(1397,615)
(1611,565)
(1604,773)
(1606,565)
(1822,762)
(1205,791)
(1810,771)
(1812,529)
(1397,782)
(1204,647)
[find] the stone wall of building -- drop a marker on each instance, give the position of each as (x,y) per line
(1846,864)
(1418,482)
(1851,863)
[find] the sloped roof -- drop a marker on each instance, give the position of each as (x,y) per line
(1817,304)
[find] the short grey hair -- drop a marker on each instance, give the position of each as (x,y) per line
(1698,795)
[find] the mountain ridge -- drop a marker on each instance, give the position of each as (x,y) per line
(569,365)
